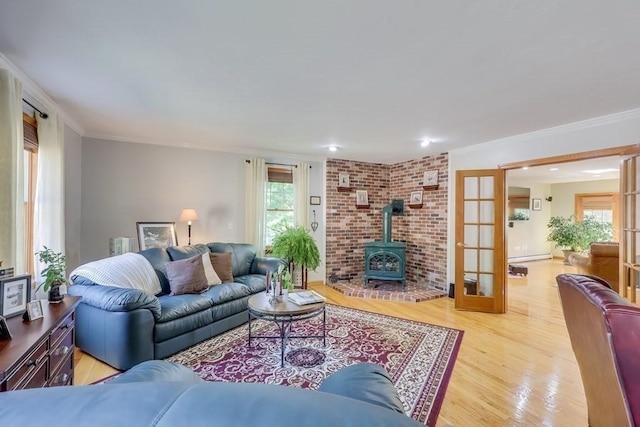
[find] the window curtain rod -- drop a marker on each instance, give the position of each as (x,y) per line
(278,164)
(43,115)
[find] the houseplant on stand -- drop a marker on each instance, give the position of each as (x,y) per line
(297,246)
(572,236)
(54,273)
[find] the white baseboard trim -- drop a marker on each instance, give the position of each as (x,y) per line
(530,258)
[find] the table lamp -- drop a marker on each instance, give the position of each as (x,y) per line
(188,215)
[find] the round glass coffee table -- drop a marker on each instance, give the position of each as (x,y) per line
(284,314)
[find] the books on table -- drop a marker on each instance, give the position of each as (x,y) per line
(305,297)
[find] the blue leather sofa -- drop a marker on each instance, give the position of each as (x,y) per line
(160,393)
(123,327)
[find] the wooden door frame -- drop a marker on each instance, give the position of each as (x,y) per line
(621,151)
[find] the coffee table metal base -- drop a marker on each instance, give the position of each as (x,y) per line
(284,323)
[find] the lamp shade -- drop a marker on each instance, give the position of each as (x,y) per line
(188,215)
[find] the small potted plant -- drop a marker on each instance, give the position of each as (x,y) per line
(53,273)
(286,281)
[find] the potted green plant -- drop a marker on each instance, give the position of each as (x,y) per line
(297,246)
(53,273)
(576,236)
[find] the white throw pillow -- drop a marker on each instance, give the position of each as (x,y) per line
(212,276)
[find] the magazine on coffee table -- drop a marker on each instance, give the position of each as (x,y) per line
(305,297)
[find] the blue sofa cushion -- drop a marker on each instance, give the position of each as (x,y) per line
(255,282)
(157,370)
(182,252)
(158,257)
(170,404)
(183,325)
(220,294)
(111,298)
(367,382)
(177,306)
(242,256)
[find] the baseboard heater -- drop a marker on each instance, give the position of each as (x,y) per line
(530,258)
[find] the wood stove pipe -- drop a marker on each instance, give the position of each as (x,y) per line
(386,224)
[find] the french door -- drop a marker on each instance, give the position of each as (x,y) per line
(480,265)
(630,231)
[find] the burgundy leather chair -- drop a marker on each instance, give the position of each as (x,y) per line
(604,329)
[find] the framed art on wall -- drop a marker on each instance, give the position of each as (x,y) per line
(156,234)
(362,198)
(416,198)
(15,293)
(343,179)
(430,178)
(536,204)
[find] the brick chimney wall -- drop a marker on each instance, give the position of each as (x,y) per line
(424,230)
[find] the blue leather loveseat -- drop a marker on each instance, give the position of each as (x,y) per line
(124,327)
(159,393)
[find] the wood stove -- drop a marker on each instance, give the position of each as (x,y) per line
(385,260)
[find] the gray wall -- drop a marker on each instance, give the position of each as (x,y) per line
(72,197)
(123,183)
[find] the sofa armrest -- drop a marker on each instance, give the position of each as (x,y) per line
(111,298)
(263,265)
(364,381)
(157,370)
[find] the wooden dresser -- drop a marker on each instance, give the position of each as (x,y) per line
(41,352)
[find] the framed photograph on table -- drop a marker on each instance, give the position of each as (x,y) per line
(15,293)
(5,333)
(156,235)
(34,310)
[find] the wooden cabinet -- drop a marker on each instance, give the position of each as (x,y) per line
(41,352)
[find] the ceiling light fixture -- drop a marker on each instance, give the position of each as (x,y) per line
(425,143)
(554,169)
(333,148)
(525,168)
(599,171)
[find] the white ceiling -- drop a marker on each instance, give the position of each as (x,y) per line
(583,170)
(291,77)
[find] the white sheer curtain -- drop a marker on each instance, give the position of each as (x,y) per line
(256,181)
(49,201)
(301,194)
(11,173)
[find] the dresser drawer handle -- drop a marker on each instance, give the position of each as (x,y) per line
(62,378)
(64,350)
(32,362)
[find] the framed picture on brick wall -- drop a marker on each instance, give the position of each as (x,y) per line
(362,198)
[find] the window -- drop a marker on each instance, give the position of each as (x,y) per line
(279,202)
(602,206)
(30,128)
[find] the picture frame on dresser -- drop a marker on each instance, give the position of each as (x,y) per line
(156,234)
(34,310)
(15,294)
(5,333)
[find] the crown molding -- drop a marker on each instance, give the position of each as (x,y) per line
(570,127)
(227,150)
(30,87)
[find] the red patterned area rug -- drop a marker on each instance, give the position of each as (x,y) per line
(418,356)
(387,290)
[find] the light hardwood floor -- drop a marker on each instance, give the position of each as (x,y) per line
(513,369)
